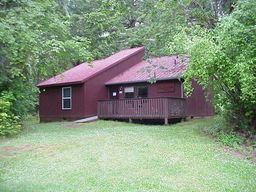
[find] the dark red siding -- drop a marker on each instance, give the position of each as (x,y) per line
(197,105)
(170,88)
(84,96)
(95,87)
(51,103)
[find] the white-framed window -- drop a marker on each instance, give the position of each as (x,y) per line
(66,98)
(129,92)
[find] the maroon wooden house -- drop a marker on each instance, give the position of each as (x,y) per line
(118,87)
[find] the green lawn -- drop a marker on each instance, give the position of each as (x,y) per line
(115,156)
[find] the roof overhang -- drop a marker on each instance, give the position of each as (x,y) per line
(60,84)
(143,81)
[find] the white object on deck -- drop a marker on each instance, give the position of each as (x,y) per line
(86,120)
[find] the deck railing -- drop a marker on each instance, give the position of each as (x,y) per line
(148,108)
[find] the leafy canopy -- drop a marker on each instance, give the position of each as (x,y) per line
(223,60)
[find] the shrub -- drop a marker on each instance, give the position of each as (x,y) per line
(9,123)
(230,139)
(223,61)
(217,126)
(220,129)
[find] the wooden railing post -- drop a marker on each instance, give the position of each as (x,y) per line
(166,121)
(166,110)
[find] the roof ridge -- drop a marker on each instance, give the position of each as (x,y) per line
(116,62)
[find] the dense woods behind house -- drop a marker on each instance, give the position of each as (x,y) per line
(39,39)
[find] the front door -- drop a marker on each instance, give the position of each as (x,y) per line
(113,93)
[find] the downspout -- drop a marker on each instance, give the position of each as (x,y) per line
(181,88)
(182,96)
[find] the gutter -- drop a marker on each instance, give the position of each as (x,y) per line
(60,84)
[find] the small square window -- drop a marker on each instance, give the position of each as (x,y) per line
(66,103)
(129,95)
(129,92)
(143,91)
(66,92)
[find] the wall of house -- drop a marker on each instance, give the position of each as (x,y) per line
(196,104)
(170,88)
(50,100)
(95,88)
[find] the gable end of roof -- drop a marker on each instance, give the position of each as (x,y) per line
(113,64)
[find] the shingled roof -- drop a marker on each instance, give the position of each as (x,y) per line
(85,71)
(163,68)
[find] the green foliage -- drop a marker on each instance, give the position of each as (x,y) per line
(35,43)
(219,129)
(9,123)
(102,26)
(223,61)
(230,139)
(157,22)
(217,126)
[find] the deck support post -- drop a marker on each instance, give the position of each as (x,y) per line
(165,121)
(130,120)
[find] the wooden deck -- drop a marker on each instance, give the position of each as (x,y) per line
(146,108)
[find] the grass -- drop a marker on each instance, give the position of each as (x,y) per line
(117,156)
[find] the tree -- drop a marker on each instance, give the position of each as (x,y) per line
(35,42)
(224,60)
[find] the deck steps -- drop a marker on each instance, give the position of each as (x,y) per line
(87,120)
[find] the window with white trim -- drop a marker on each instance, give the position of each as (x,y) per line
(66,98)
(129,92)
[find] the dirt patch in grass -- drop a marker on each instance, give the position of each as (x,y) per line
(5,139)
(46,150)
(47,147)
(11,151)
(253,154)
(243,154)
(114,124)
(73,125)
(239,154)
(17,149)
(8,151)
(188,123)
